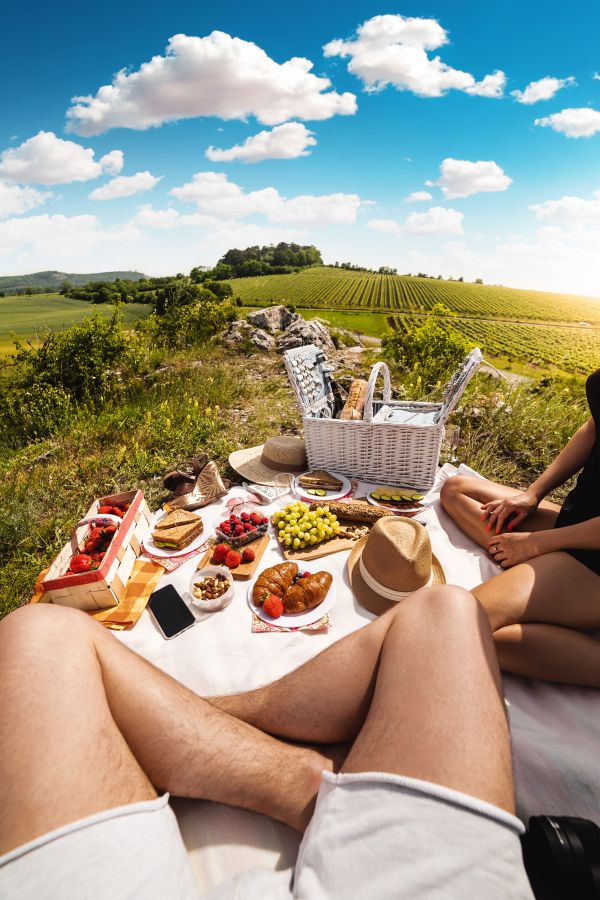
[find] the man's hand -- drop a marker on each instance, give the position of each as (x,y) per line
(510,512)
(511,549)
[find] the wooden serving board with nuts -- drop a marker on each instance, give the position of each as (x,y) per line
(244,570)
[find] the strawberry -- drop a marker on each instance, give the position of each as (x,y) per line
(105,510)
(273,606)
(81,562)
(220,552)
(248,555)
(233,559)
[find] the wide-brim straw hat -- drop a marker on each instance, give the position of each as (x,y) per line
(391,562)
(269,462)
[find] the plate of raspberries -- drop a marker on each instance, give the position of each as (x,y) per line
(242,527)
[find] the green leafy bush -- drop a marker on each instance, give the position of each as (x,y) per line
(78,361)
(430,349)
(32,412)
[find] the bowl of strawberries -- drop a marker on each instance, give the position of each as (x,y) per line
(245,524)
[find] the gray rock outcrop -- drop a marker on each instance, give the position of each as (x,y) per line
(273,318)
(242,333)
(304,332)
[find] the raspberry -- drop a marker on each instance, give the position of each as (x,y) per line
(239,530)
(220,552)
(233,559)
(305,575)
(248,555)
(273,606)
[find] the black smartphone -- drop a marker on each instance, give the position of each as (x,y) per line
(170,612)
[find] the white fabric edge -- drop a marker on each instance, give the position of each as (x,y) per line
(428,788)
(116,812)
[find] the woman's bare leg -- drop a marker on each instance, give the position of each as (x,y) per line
(462,498)
(86,725)
(549,652)
(552,599)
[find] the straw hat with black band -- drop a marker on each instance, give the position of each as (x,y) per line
(266,463)
(391,562)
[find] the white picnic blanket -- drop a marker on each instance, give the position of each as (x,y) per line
(555,729)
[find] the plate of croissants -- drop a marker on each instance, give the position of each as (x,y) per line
(292,595)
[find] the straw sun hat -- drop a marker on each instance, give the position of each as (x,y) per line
(266,463)
(392,561)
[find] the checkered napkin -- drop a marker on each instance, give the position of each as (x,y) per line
(260,627)
(142,582)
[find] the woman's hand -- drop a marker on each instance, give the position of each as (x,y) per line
(509,512)
(511,549)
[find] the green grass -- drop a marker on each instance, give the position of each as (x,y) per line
(28,316)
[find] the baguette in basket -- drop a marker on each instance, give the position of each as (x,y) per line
(354,511)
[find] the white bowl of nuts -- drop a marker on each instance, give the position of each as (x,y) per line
(211,588)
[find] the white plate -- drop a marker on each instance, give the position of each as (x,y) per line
(329,495)
(162,551)
(299,619)
(413,510)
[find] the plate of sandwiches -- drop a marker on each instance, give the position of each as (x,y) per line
(321,484)
(176,533)
(306,591)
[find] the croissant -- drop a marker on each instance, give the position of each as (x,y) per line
(274,580)
(307,593)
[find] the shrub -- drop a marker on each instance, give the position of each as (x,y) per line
(77,361)
(32,412)
(184,326)
(430,349)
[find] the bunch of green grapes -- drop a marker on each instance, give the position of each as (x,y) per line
(298,526)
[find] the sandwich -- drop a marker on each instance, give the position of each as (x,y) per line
(320,480)
(178,529)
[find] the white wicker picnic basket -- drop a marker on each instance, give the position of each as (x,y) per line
(396,442)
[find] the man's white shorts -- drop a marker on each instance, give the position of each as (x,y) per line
(373,836)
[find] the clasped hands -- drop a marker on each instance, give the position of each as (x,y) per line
(509,549)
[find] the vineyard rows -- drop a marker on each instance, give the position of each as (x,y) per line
(340,288)
(571,349)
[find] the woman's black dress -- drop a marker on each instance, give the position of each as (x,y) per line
(583,502)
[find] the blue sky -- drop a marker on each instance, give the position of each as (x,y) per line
(333,163)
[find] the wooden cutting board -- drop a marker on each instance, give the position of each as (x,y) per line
(335,545)
(244,570)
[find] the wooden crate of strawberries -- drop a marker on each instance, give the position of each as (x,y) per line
(92,570)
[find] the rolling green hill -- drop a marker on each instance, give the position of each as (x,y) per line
(28,316)
(538,328)
(327,287)
(52,280)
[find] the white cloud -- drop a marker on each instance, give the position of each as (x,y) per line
(596,76)
(386,226)
(287,141)
(15,200)
(544,89)
(125,186)
(47,237)
(575,210)
(47,159)
(215,195)
(418,197)
(437,220)
(112,162)
(574,123)
(162,219)
(217,75)
(461,178)
(392,49)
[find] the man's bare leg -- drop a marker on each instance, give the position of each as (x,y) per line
(438,712)
(87,725)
